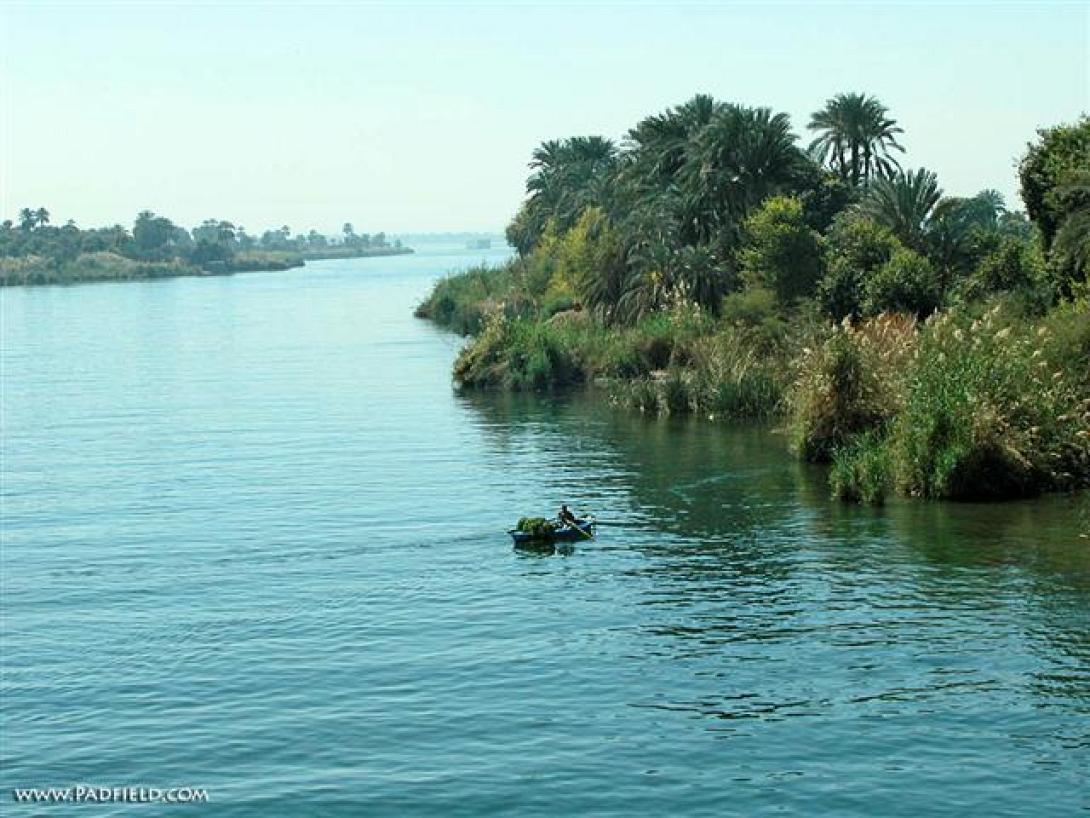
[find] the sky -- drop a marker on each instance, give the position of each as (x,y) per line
(422,117)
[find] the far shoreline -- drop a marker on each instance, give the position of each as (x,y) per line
(122,270)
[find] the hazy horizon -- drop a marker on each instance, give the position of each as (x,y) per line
(418,119)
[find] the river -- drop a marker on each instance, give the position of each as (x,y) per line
(254,542)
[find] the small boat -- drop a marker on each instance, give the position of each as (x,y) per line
(564,533)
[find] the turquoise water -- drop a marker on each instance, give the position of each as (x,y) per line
(253,542)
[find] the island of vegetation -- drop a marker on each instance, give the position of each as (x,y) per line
(925,344)
(33,251)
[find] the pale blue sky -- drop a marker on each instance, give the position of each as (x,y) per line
(422,117)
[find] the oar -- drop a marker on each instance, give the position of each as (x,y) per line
(584,533)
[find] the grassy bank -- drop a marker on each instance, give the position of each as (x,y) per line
(107,266)
(341,251)
(101,266)
(978,402)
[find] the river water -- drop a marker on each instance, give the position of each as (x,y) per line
(254,542)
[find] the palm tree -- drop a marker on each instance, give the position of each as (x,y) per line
(568,176)
(41,216)
(660,142)
(855,137)
(27,219)
(903,202)
(955,228)
(741,157)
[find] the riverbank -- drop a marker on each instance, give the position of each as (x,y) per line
(979,402)
(931,345)
(35,270)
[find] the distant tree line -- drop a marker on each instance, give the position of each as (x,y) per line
(157,238)
(33,250)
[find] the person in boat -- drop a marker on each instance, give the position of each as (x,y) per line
(566,517)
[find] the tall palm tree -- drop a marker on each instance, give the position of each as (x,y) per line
(27,219)
(904,203)
(568,176)
(741,157)
(660,142)
(41,216)
(855,137)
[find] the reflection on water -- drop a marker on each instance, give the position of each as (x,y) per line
(255,543)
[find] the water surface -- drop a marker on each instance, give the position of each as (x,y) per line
(253,541)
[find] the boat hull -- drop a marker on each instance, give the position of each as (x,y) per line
(566,534)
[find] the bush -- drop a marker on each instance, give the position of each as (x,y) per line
(862,471)
(782,254)
(989,415)
(1014,265)
(855,248)
(906,283)
(462,302)
(851,383)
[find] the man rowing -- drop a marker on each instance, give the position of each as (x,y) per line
(566,517)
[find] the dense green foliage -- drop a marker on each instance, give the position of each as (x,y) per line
(922,343)
(1055,177)
(36,252)
(971,408)
(536,527)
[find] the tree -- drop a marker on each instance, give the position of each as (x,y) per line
(782,253)
(740,158)
(1014,264)
(855,137)
(41,216)
(567,177)
(905,283)
(152,235)
(1048,165)
(903,203)
(1071,246)
(27,219)
(855,248)
(960,231)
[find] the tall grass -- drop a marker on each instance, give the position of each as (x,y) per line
(727,374)
(985,408)
(463,301)
(851,383)
(992,413)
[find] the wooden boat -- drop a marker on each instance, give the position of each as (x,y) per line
(565,533)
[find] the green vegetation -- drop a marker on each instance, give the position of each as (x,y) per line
(971,407)
(36,252)
(933,345)
(536,527)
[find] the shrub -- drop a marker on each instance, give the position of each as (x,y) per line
(855,248)
(851,383)
(989,415)
(462,302)
(906,283)
(782,254)
(756,308)
(1014,265)
(862,470)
